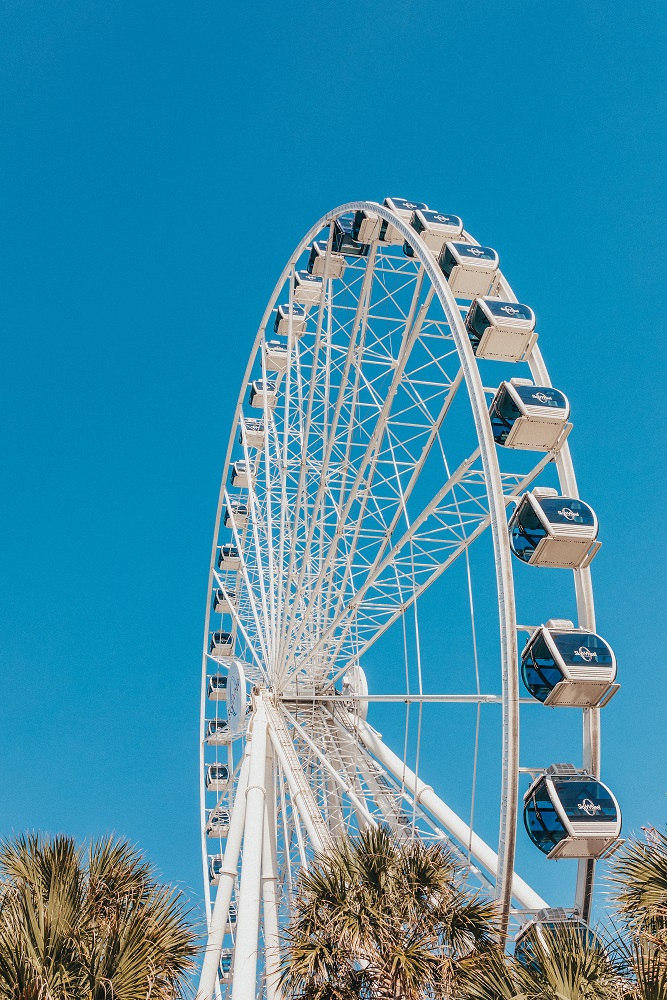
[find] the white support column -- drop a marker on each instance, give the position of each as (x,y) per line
(270,887)
(209,972)
(244,976)
(460,830)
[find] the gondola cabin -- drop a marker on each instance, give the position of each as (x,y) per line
(569,814)
(242,474)
(218,824)
(254,432)
(263,394)
(435,230)
(366,226)
(215,868)
(226,964)
(318,261)
(228,558)
(344,242)
(217,732)
(221,644)
(236,512)
(553,926)
(276,355)
(217,777)
(500,331)
(307,288)
(224,601)
(564,665)
(404,210)
(217,687)
(530,417)
(281,324)
(550,530)
(470,270)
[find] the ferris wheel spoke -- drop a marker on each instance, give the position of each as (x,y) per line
(387,611)
(368,462)
(379,565)
(324,310)
(333,422)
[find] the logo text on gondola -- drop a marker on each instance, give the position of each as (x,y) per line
(589,807)
(568,513)
(542,397)
(510,310)
(586,654)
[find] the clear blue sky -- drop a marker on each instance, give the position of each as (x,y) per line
(159,162)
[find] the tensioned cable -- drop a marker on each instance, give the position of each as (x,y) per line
(475,656)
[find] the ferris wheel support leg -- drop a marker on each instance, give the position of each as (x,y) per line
(270,888)
(209,972)
(460,830)
(244,977)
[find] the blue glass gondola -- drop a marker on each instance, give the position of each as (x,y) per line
(229,558)
(532,417)
(253,431)
(224,601)
(276,356)
(236,512)
(221,644)
(318,261)
(551,530)
(226,964)
(281,323)
(344,241)
(404,210)
(217,732)
(435,230)
(242,474)
(307,288)
(470,270)
(500,331)
(263,393)
(564,665)
(218,823)
(215,863)
(217,777)
(569,814)
(552,924)
(217,687)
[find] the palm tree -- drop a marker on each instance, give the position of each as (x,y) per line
(638,877)
(381,917)
(564,964)
(639,881)
(90,924)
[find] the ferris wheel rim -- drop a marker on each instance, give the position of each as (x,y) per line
(509,802)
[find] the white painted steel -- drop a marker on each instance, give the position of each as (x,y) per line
(303,615)
(246,946)
(228,876)
(270,906)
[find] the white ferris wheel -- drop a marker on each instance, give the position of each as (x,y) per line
(398,494)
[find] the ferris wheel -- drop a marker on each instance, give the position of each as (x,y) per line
(398,508)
